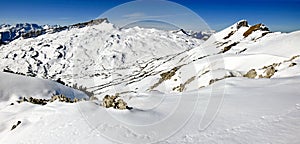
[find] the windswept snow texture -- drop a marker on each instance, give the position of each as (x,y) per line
(239,86)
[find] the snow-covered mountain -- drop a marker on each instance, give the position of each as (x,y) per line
(11,32)
(203,35)
(237,85)
(91,49)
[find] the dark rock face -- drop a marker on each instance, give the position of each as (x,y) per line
(15,126)
(229,35)
(90,23)
(227,48)
(242,24)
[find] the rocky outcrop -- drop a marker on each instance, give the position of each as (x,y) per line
(169,74)
(33,100)
(292,64)
(255,28)
(181,87)
(229,35)
(227,48)
(15,126)
(60,98)
(34,33)
(165,76)
(269,72)
(243,23)
(251,74)
(218,79)
(89,23)
(114,102)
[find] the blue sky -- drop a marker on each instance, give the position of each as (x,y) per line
(278,15)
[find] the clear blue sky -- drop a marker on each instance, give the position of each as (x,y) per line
(278,15)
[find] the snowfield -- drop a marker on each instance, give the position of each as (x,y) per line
(239,86)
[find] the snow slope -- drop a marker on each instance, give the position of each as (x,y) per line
(14,86)
(182,90)
(260,111)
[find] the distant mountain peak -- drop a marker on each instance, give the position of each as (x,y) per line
(242,23)
(9,33)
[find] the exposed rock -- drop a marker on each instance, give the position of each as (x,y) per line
(181,87)
(218,79)
(227,48)
(38,101)
(293,58)
(265,33)
(33,33)
(60,98)
(15,126)
(292,64)
(22,99)
(121,104)
(241,51)
(111,101)
(108,101)
(255,28)
(251,74)
(270,71)
(229,35)
(169,74)
(166,76)
(75,100)
(60,81)
(243,23)
(90,23)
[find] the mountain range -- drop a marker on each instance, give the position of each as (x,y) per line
(208,87)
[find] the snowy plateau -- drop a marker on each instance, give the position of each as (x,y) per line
(240,85)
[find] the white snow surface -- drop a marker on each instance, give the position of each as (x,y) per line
(206,99)
(15,86)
